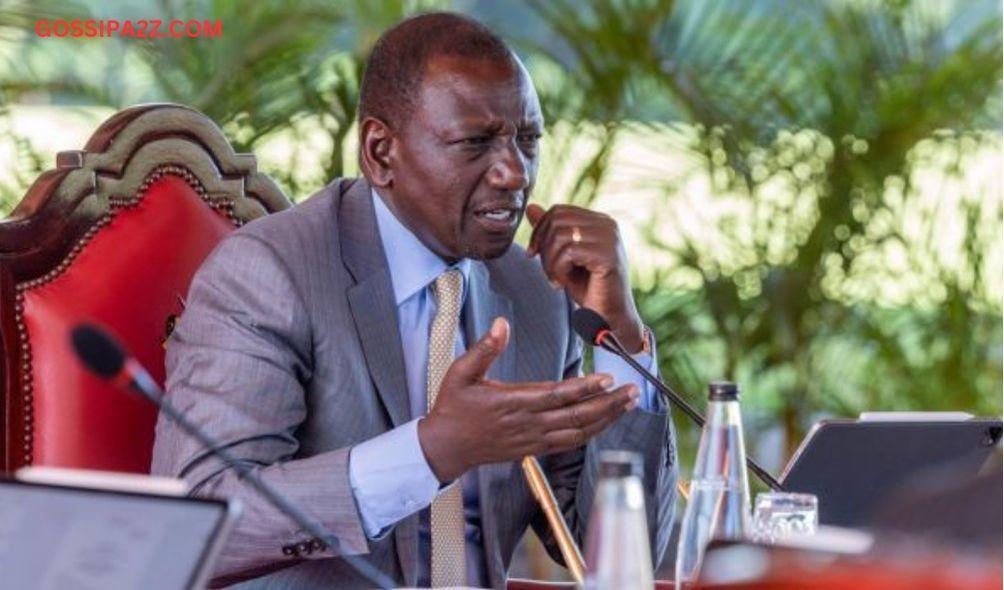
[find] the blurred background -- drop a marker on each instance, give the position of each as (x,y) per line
(810,192)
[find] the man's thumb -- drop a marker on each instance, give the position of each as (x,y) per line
(474,364)
(533,213)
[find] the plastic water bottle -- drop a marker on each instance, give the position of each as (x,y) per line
(618,555)
(719,505)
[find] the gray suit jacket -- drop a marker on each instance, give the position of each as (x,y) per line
(289,353)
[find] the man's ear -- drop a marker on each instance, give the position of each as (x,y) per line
(376,146)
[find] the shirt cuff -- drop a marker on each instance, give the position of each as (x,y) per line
(390,479)
(605,361)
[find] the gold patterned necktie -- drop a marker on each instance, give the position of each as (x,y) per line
(447,519)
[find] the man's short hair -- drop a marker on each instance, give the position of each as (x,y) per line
(393,77)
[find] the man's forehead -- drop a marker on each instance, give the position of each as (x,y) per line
(478,89)
(443,64)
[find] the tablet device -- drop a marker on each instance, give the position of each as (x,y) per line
(59,536)
(851,465)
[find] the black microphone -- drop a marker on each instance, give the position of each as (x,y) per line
(104,356)
(591,327)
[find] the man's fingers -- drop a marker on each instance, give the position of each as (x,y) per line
(560,253)
(589,411)
(562,256)
(548,224)
(548,395)
(540,225)
(534,214)
(556,441)
(547,248)
(472,366)
(574,390)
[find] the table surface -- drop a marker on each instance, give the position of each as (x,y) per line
(519,584)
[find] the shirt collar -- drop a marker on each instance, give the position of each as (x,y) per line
(412,266)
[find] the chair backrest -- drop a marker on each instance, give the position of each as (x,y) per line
(112,235)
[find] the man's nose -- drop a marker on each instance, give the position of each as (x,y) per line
(510,171)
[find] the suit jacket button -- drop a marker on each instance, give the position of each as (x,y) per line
(317,545)
(289,550)
(304,547)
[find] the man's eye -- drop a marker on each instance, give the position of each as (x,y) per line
(529,138)
(476,140)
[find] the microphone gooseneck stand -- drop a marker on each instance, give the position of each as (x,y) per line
(362,567)
(592,327)
(104,356)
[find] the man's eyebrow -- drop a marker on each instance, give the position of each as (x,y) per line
(474,124)
(488,126)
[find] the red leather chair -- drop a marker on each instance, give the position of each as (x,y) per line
(113,234)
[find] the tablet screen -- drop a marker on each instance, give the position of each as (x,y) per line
(54,537)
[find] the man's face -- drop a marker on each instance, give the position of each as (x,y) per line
(466,159)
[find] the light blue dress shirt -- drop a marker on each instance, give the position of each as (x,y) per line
(389,474)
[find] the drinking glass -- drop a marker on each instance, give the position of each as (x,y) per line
(780,515)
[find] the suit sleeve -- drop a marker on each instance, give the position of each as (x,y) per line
(236,366)
(573,475)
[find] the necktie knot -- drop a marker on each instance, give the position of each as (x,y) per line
(446,289)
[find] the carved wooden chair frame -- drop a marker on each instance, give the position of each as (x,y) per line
(67,206)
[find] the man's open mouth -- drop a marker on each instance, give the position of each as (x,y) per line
(502,214)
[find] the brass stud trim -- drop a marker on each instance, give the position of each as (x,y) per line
(224,206)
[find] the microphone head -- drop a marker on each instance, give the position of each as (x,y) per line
(98,350)
(588,324)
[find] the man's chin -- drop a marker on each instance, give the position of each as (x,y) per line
(489,250)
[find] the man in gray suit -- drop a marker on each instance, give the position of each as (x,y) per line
(383,354)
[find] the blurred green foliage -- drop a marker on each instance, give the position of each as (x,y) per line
(811,117)
(817,275)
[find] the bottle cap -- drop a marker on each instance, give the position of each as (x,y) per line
(723,391)
(620,464)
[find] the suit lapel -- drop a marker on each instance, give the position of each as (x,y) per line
(374,311)
(484,303)
(371,300)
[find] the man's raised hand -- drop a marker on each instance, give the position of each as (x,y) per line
(581,251)
(476,421)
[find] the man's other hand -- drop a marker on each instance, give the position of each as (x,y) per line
(476,420)
(581,252)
